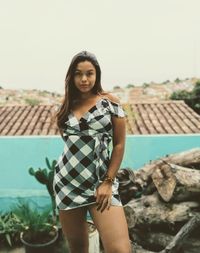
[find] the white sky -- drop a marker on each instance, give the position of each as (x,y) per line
(135,41)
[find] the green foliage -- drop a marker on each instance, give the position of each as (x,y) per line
(32,102)
(43,93)
(180,95)
(41,175)
(196,90)
(116,87)
(165,82)
(35,223)
(10,227)
(130,85)
(45,176)
(31,217)
(177,80)
(145,85)
(192,98)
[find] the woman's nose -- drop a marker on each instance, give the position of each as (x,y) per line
(84,77)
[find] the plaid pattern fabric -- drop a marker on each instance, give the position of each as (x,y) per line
(85,159)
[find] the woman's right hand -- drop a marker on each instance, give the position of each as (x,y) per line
(103,196)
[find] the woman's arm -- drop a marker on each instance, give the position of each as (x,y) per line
(104,191)
(119,131)
(119,136)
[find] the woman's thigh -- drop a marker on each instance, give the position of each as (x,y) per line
(75,228)
(112,227)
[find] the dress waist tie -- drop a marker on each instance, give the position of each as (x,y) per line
(102,141)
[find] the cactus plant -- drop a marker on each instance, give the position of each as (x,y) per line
(45,176)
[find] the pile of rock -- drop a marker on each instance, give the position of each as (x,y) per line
(162,204)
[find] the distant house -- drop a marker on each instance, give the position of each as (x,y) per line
(160,117)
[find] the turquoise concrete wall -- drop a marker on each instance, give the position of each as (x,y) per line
(140,149)
(17,154)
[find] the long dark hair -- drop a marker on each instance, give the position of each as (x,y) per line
(71,91)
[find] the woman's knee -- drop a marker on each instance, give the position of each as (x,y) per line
(123,247)
(75,229)
(78,246)
(119,250)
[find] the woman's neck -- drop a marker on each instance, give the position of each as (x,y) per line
(85,96)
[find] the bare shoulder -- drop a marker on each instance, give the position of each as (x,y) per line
(111,97)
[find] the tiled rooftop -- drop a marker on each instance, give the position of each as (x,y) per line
(27,120)
(161,117)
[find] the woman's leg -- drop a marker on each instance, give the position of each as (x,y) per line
(113,229)
(75,229)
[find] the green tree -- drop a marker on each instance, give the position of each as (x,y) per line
(116,87)
(196,90)
(145,85)
(165,82)
(192,98)
(130,85)
(180,95)
(31,101)
(177,80)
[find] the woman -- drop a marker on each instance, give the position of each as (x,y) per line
(85,174)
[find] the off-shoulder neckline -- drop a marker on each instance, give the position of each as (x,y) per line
(91,108)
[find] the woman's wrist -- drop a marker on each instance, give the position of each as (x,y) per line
(108,179)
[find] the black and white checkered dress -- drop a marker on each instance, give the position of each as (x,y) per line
(85,159)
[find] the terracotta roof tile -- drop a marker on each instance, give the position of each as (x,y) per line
(26,120)
(160,117)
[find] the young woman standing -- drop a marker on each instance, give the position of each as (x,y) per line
(85,175)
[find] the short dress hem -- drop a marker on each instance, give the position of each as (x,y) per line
(89,204)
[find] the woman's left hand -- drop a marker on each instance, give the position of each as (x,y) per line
(103,196)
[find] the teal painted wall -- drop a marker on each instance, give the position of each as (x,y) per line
(17,154)
(141,149)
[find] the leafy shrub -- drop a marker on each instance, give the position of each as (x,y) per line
(37,224)
(32,102)
(10,228)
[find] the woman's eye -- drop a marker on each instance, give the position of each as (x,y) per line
(80,74)
(77,73)
(89,74)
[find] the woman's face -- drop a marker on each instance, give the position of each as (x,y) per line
(85,76)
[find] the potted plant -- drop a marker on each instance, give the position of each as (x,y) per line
(38,235)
